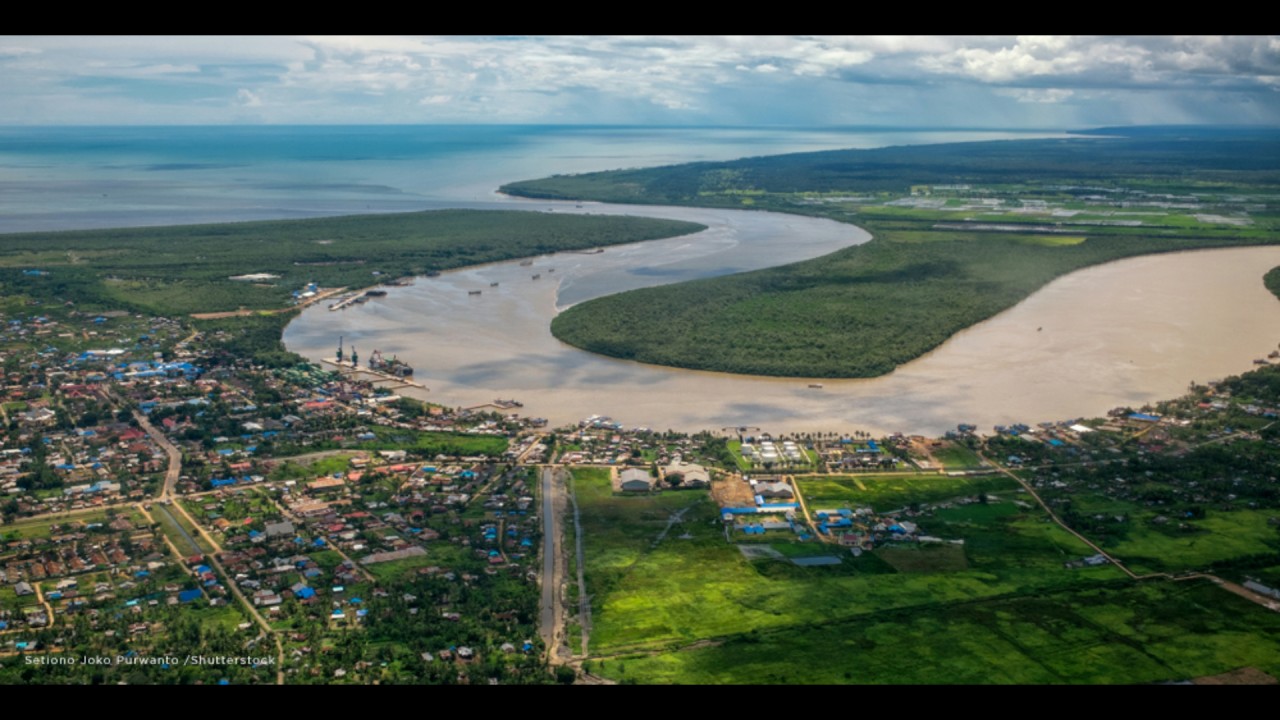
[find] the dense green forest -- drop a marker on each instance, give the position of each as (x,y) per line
(984,225)
(859,312)
(1173,157)
(185,269)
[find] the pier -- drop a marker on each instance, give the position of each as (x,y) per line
(398,382)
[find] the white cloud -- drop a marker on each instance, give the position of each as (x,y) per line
(13,51)
(1111,61)
(617,78)
(1036,95)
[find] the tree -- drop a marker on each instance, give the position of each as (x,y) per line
(565,675)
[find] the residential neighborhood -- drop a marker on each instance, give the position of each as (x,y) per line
(162,496)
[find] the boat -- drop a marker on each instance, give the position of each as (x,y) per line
(473,292)
(535,277)
(817,386)
(493,284)
(394,366)
(375,293)
(526,263)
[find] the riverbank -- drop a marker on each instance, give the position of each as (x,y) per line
(1168,319)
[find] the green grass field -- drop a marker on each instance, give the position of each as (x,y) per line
(40,527)
(957,457)
(925,558)
(394,568)
(1001,608)
(1219,537)
(890,492)
(1105,635)
(434,443)
(184,537)
(9,599)
(656,598)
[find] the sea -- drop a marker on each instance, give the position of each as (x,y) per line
(64,178)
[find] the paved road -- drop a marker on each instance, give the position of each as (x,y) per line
(175,455)
(171,479)
(804,509)
(549,625)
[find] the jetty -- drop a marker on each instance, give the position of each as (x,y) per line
(348,368)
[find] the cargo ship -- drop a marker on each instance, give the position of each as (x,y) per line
(394,366)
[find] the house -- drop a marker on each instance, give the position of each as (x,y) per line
(279,529)
(690,474)
(774,490)
(633,480)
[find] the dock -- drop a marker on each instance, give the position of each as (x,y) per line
(399,382)
(342,304)
(496,405)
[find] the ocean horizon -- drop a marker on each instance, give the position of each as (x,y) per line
(86,177)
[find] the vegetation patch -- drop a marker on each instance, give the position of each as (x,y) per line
(887,492)
(435,443)
(187,269)
(925,558)
(937,263)
(1155,632)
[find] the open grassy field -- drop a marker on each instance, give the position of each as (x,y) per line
(184,537)
(226,617)
(1116,633)
(1000,608)
(326,559)
(40,527)
(693,585)
(395,568)
(957,457)
(10,601)
(434,443)
(925,558)
(885,492)
(1219,537)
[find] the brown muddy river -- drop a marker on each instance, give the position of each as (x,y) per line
(1126,333)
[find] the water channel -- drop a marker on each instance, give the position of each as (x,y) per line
(1126,333)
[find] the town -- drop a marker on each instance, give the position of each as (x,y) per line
(163,498)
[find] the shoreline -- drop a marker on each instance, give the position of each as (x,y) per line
(641,391)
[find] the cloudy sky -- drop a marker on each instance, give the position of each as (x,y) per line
(1037,82)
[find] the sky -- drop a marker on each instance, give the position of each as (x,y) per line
(916,81)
